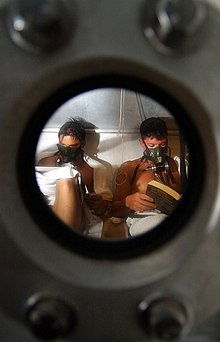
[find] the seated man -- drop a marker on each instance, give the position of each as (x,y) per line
(130,200)
(77,188)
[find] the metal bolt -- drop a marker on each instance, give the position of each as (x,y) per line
(164,319)
(49,317)
(175,24)
(39,24)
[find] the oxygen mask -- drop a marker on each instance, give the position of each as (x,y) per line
(69,154)
(158,157)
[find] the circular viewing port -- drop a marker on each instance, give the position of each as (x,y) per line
(111,167)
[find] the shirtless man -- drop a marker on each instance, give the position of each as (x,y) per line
(68,197)
(133,176)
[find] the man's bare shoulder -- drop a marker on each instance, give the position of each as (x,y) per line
(48,161)
(129,165)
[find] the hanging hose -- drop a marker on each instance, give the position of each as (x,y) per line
(121,110)
(122,119)
(140,107)
(183,174)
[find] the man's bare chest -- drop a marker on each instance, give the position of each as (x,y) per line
(141,180)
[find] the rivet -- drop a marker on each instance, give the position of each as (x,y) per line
(175,24)
(39,24)
(164,319)
(49,317)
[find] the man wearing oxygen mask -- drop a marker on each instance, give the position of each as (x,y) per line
(130,201)
(77,188)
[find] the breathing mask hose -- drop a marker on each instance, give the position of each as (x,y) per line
(183,175)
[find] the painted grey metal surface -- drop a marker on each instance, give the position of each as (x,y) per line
(109,110)
(107,38)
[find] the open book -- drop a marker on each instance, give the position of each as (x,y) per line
(164,197)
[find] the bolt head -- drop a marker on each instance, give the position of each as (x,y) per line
(49,317)
(39,24)
(173,26)
(164,319)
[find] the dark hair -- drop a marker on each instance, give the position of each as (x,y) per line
(153,127)
(73,127)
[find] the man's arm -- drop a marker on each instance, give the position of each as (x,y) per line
(96,203)
(124,201)
(99,201)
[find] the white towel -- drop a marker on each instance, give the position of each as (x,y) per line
(46,179)
(146,222)
(47,176)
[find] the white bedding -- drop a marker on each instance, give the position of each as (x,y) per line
(47,176)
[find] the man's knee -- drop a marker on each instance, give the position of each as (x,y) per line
(66,182)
